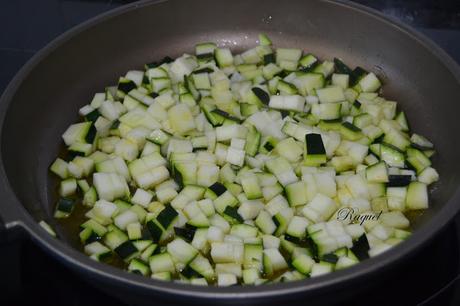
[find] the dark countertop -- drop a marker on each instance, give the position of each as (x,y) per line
(30,24)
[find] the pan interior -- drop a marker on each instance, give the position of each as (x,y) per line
(49,97)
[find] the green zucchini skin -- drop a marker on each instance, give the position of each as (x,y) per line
(218,168)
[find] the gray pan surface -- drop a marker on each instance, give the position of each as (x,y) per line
(44,98)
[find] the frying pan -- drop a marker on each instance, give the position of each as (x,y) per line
(44,97)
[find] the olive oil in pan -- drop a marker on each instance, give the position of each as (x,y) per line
(71,228)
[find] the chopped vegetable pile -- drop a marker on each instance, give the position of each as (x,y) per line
(221,169)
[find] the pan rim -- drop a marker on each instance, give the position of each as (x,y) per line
(70,256)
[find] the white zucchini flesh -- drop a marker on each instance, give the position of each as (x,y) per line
(216,168)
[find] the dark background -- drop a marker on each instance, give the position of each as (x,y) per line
(32,277)
(28,25)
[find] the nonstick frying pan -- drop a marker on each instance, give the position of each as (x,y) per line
(44,97)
